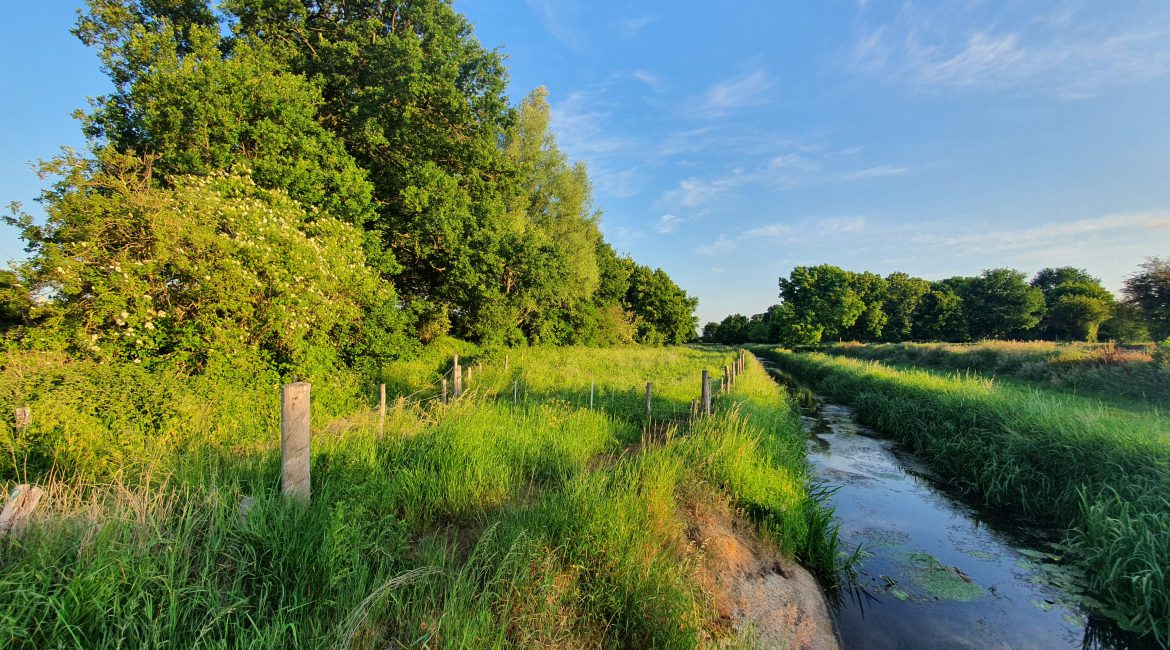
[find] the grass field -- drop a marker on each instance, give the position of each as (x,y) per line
(1105,371)
(478,523)
(1100,474)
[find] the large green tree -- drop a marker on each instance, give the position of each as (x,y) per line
(903,296)
(818,303)
(1077,303)
(1000,303)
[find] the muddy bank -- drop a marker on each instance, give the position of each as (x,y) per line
(764,597)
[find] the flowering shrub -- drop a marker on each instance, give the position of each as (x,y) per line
(212,271)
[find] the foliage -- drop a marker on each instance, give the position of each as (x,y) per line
(999,303)
(213,271)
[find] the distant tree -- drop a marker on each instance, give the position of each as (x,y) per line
(819,302)
(1076,317)
(663,312)
(903,295)
(710,333)
(938,315)
(759,329)
(872,290)
(733,329)
(1000,303)
(1126,324)
(1149,291)
(1077,303)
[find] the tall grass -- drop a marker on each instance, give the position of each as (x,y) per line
(479,523)
(1105,371)
(1101,474)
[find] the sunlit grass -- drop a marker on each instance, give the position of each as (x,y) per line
(482,523)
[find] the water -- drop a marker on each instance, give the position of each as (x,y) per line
(934,571)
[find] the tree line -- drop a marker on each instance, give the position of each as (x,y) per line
(305,184)
(827,303)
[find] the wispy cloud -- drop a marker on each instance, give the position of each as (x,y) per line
(733,94)
(667,223)
(648,78)
(582,128)
(878,171)
(723,244)
(629,27)
(1055,234)
(1059,53)
(562,19)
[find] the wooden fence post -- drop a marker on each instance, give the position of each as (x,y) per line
(381,409)
(649,390)
(294,441)
(515,391)
(444,398)
(19,508)
(468,378)
(705,395)
(694,408)
(590,394)
(726,385)
(457,377)
(22,417)
(505,363)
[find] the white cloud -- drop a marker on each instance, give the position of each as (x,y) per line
(768,231)
(667,223)
(878,171)
(733,94)
(1061,53)
(582,131)
(648,78)
(629,27)
(722,245)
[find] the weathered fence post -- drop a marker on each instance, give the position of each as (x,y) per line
(515,391)
(649,390)
(726,385)
(294,441)
(444,398)
(381,409)
(590,394)
(505,363)
(468,378)
(457,377)
(19,508)
(694,408)
(705,395)
(23,417)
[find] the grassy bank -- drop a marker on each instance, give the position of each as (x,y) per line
(479,523)
(1102,475)
(1104,371)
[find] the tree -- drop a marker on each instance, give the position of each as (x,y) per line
(1149,291)
(1077,303)
(999,303)
(193,105)
(1076,317)
(939,314)
(903,295)
(733,329)
(421,106)
(710,333)
(1126,324)
(663,312)
(871,289)
(819,302)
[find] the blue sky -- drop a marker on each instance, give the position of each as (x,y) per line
(728,145)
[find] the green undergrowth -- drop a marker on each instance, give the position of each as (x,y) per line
(480,523)
(1125,375)
(1101,475)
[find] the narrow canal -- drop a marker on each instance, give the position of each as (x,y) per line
(933,571)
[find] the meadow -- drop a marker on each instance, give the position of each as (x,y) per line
(1098,474)
(484,522)
(1102,370)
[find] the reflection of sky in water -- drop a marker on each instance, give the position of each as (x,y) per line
(924,548)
